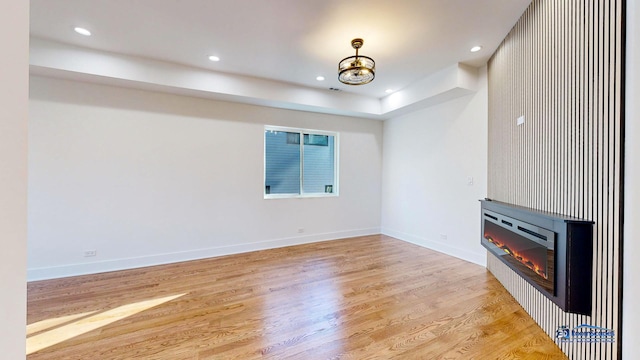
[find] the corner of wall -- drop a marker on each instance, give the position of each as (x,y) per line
(631,230)
(14,90)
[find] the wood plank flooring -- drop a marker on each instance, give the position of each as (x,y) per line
(370,297)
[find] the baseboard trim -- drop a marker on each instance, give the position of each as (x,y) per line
(54,272)
(480,258)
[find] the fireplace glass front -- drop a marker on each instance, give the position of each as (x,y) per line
(525,248)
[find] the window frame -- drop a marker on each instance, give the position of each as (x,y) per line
(302,131)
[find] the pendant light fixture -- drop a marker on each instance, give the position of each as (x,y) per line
(356,70)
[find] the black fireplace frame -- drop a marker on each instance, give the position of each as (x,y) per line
(573,247)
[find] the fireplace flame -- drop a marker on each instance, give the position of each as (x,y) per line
(522,259)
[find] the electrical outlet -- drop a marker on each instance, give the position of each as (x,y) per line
(89,253)
(300,230)
(443,236)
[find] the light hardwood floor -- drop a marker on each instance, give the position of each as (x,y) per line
(370,297)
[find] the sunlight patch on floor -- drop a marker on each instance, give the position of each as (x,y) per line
(85,323)
(50,323)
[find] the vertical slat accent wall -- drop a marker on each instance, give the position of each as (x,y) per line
(561,67)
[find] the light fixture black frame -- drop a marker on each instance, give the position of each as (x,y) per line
(352,62)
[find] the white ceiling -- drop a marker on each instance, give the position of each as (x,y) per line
(290,41)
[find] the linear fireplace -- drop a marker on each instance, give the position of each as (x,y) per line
(550,251)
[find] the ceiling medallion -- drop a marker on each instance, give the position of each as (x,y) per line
(357,70)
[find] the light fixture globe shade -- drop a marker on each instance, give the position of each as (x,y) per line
(356,70)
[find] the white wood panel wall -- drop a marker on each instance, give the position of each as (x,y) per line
(562,68)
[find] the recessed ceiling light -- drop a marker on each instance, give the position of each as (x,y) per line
(476,48)
(389,91)
(320,78)
(82,31)
(214,58)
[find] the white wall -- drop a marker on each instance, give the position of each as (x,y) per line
(428,157)
(631,285)
(14,75)
(146,178)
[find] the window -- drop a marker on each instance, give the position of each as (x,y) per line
(295,169)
